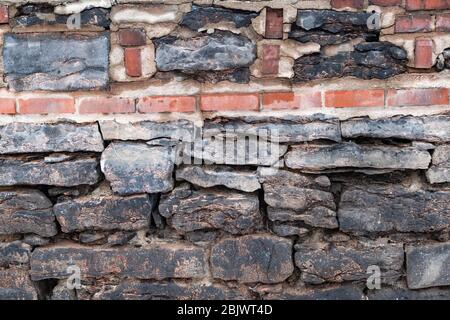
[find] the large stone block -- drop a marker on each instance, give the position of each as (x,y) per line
(440,170)
(351,155)
(157,261)
(26,211)
(56,62)
(14,253)
(371,209)
(15,284)
(60,137)
(138,167)
(255,258)
(428,265)
(104,213)
(341,292)
(348,262)
(190,210)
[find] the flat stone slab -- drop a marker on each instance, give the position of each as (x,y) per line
(428,265)
(439,172)
(42,137)
(56,62)
(341,292)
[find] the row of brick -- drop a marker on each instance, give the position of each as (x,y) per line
(411,5)
(227,102)
(422,22)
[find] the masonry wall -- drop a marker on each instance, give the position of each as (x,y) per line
(117,119)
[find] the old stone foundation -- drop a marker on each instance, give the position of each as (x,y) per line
(224,149)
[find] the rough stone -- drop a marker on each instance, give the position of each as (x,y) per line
(440,170)
(403,293)
(370,209)
(210,176)
(429,128)
(342,292)
(26,211)
(15,284)
(158,261)
(29,171)
(428,265)
(218,51)
(190,210)
(138,168)
(351,155)
(255,258)
(143,290)
(56,62)
(342,262)
(104,213)
(201,16)
(148,14)
(14,253)
(60,137)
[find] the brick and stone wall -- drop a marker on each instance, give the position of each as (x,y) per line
(225,149)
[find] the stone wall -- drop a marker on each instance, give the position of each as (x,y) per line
(225,149)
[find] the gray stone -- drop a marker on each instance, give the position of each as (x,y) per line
(189,210)
(289,129)
(61,293)
(284,230)
(348,262)
(212,52)
(144,290)
(430,128)
(401,292)
(370,209)
(181,130)
(351,155)
(59,137)
(56,62)
(210,176)
(104,213)
(156,261)
(341,292)
(138,168)
(255,258)
(14,253)
(26,211)
(15,284)
(428,265)
(439,172)
(30,171)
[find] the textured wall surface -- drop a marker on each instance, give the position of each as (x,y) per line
(225,149)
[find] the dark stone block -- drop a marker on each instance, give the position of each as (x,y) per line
(342,292)
(14,253)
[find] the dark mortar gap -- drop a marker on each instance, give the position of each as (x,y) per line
(45,288)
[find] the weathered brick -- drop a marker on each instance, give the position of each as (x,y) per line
(156,261)
(46,105)
(443,22)
(417,97)
(339,4)
(428,265)
(354,98)
(133,62)
(423,54)
(7,106)
(427,4)
(291,100)
(414,23)
(105,105)
(4,16)
(255,258)
(132,37)
(274,23)
(385,3)
(270,59)
(167,104)
(229,101)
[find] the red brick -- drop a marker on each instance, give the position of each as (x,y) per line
(385,3)
(46,105)
(417,97)
(274,23)
(132,37)
(290,100)
(167,104)
(339,4)
(354,98)
(270,59)
(133,63)
(224,102)
(423,54)
(427,4)
(7,106)
(105,105)
(4,16)
(443,22)
(414,23)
